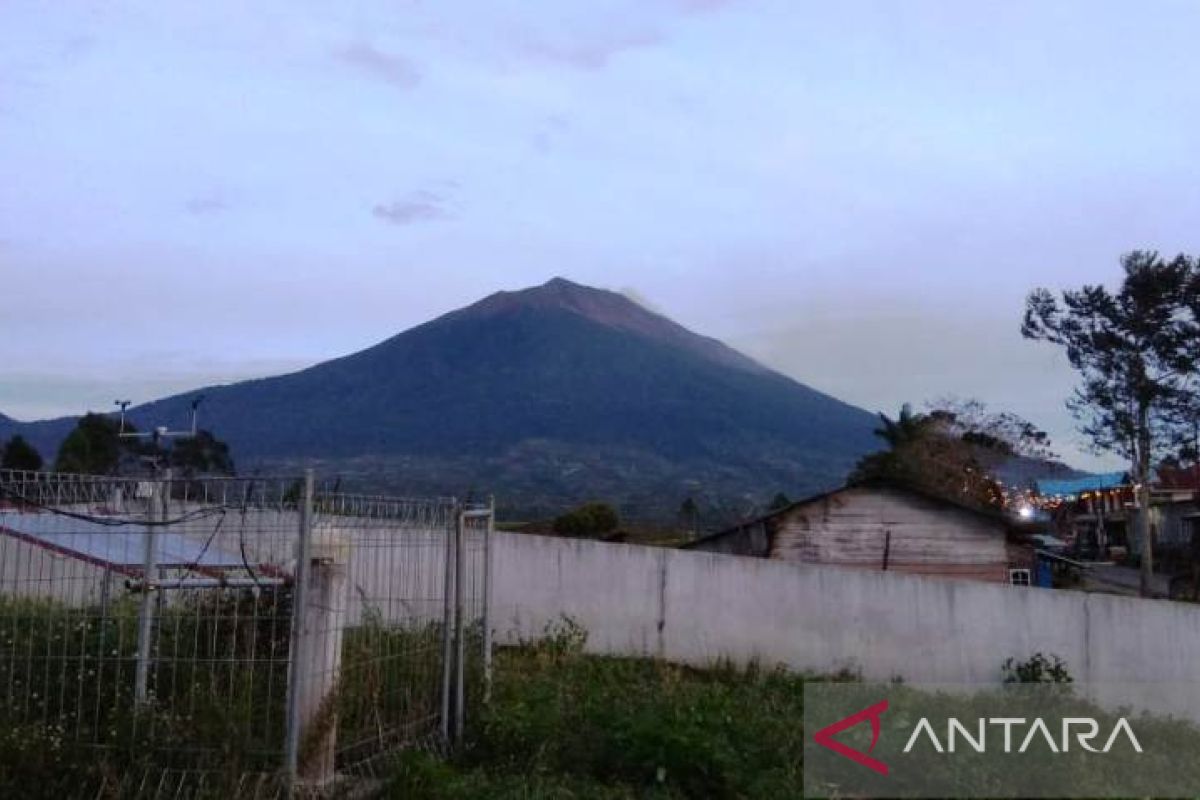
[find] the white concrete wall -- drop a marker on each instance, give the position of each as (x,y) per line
(695,607)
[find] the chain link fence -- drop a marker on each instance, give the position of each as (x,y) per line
(246,636)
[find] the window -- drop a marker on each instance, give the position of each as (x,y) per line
(1018,577)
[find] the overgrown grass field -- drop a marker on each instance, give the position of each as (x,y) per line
(565,725)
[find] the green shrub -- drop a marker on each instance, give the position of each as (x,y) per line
(1036,669)
(590,519)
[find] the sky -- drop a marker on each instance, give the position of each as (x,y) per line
(859,194)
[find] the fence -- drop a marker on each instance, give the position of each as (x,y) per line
(251,633)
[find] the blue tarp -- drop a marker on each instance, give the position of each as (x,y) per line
(1077,486)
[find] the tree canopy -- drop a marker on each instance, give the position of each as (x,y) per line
(590,519)
(95,447)
(952,451)
(92,448)
(1135,350)
(200,454)
(20,454)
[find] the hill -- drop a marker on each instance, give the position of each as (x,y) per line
(545,396)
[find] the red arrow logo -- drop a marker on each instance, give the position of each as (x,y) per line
(824,737)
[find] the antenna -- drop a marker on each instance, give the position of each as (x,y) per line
(195,405)
(161,431)
(124,404)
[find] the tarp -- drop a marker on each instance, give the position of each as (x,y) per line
(1074,487)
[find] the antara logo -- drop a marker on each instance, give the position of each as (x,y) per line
(1029,733)
(1038,733)
(824,737)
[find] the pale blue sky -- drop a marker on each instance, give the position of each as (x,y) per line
(859,194)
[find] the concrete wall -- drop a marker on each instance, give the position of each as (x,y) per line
(696,607)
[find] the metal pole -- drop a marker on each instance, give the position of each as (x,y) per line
(447,624)
(296,652)
(146,607)
(459,632)
(487,599)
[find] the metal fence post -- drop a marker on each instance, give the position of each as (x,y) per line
(149,573)
(459,632)
(296,661)
(487,599)
(448,623)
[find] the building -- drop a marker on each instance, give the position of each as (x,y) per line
(886,527)
(1096,514)
(1092,512)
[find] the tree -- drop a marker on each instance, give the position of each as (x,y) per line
(20,454)
(92,448)
(689,515)
(590,519)
(1002,432)
(1133,350)
(96,447)
(779,501)
(200,454)
(952,451)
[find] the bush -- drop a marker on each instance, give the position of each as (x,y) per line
(590,519)
(1038,669)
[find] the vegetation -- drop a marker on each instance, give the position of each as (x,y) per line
(952,451)
(96,447)
(202,454)
(689,516)
(20,454)
(217,691)
(559,723)
(589,520)
(1037,669)
(92,448)
(562,724)
(1136,351)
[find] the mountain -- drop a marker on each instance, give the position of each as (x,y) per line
(544,396)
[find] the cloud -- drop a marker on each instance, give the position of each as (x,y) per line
(77,47)
(388,67)
(593,53)
(641,299)
(548,134)
(700,6)
(202,205)
(420,206)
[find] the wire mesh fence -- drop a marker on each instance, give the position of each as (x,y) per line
(244,632)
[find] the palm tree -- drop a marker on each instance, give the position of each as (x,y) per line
(925,450)
(905,429)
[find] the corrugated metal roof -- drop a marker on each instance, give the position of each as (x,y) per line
(116,546)
(1077,486)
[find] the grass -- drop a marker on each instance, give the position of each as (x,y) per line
(217,693)
(561,724)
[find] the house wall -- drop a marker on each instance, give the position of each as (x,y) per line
(878,528)
(697,607)
(1171,526)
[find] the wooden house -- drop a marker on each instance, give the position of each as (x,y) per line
(885,527)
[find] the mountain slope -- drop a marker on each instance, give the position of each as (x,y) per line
(546,395)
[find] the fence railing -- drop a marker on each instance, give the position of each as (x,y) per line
(246,626)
